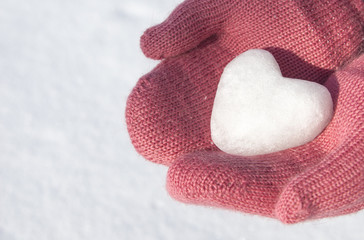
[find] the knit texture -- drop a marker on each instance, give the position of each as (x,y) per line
(168,112)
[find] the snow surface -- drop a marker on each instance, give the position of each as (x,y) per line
(67,167)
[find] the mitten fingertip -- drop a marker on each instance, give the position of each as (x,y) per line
(291,207)
(149,44)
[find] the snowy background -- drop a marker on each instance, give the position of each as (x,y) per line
(67,167)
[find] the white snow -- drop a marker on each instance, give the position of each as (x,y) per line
(257,111)
(67,167)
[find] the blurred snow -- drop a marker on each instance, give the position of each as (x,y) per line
(67,168)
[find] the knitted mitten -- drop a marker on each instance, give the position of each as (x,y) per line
(168,112)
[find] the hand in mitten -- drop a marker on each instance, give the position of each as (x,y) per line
(168,112)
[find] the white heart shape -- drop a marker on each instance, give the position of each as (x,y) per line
(258,111)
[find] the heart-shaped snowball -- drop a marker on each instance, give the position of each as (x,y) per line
(258,111)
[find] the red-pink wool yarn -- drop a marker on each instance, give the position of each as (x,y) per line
(168,111)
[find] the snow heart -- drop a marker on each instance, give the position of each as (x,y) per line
(258,111)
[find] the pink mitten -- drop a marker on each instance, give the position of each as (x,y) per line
(168,112)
